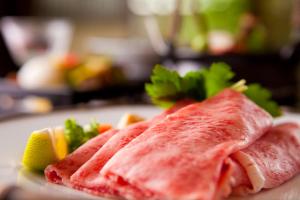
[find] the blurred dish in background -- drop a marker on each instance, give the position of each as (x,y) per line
(34,104)
(28,37)
(40,73)
(69,71)
(29,104)
(92,73)
(135,56)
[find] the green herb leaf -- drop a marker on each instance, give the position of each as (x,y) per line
(262,97)
(165,87)
(168,86)
(74,134)
(192,85)
(217,77)
(91,130)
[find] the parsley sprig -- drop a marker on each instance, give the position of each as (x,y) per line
(167,86)
(76,135)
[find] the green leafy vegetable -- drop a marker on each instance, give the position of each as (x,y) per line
(91,130)
(262,97)
(76,135)
(192,85)
(168,86)
(217,77)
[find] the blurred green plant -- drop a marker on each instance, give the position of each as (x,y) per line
(224,14)
(228,16)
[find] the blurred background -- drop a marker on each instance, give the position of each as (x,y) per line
(58,53)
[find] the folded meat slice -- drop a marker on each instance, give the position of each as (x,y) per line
(87,177)
(182,156)
(61,171)
(269,162)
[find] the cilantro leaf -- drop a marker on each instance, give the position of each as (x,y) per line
(165,87)
(262,97)
(91,130)
(168,86)
(217,77)
(164,75)
(74,134)
(192,85)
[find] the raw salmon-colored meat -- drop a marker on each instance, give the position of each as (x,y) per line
(270,161)
(182,156)
(61,171)
(87,177)
(200,151)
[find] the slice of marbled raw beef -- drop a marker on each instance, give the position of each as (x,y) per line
(181,157)
(86,177)
(268,162)
(61,171)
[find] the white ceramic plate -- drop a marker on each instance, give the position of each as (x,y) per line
(14,134)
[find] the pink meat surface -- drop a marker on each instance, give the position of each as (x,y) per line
(61,171)
(270,161)
(87,177)
(182,156)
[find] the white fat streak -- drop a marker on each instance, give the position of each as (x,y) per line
(254,173)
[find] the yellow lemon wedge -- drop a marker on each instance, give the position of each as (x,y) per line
(44,147)
(60,143)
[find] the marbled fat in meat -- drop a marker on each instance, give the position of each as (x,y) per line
(182,156)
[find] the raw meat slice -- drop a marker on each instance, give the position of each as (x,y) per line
(87,177)
(61,171)
(182,156)
(270,161)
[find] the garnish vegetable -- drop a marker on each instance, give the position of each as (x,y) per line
(167,86)
(76,135)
